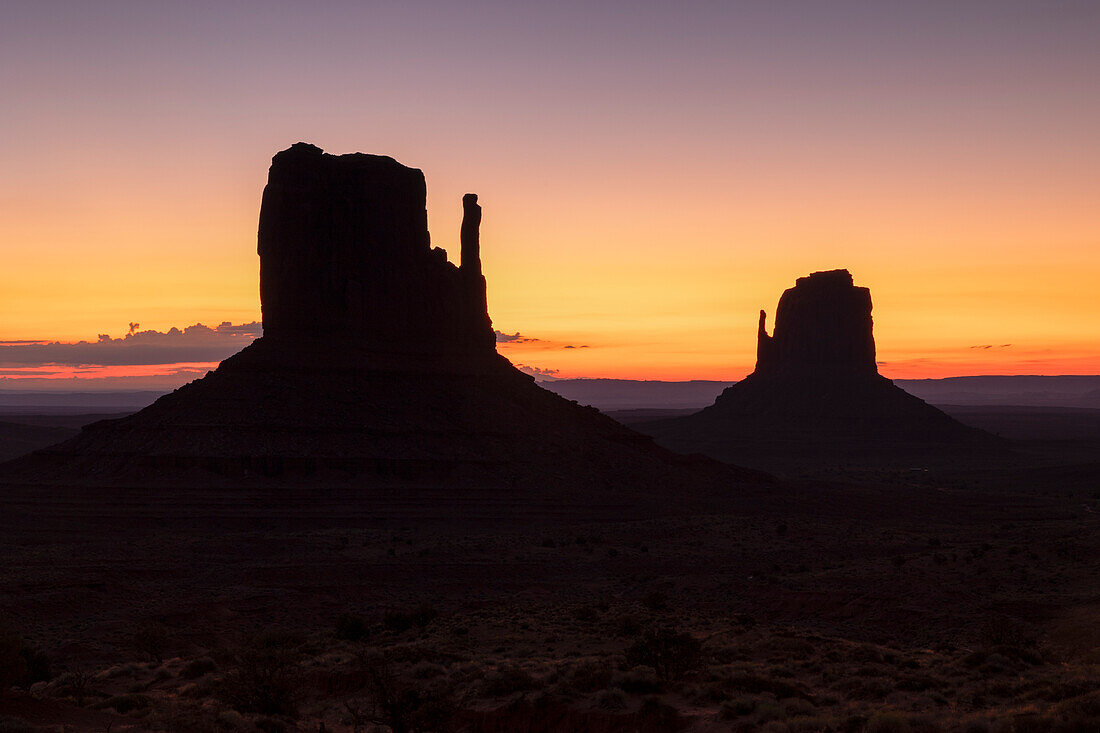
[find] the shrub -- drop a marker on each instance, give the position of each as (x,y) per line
(768,711)
(997,664)
(1033,723)
(198,667)
(796,706)
(746,620)
(814,724)
(36,666)
(151,639)
(586,614)
(1066,689)
(506,681)
(76,684)
(756,685)
(876,688)
(271,725)
(265,677)
(401,621)
(9,724)
(1080,713)
(655,601)
(887,723)
(12,665)
(590,675)
(853,723)
(1002,631)
(425,670)
(668,652)
(919,683)
(204,687)
(637,681)
(230,720)
(20,664)
(656,715)
(124,703)
(350,627)
(628,625)
(400,705)
(737,707)
(865,653)
(924,724)
(611,700)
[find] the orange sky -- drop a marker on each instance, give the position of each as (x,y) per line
(650,180)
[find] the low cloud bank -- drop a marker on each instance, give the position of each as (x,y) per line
(197,343)
(513,338)
(538,373)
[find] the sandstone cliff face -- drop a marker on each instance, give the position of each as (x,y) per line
(345,251)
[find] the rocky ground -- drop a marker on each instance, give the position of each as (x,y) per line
(905,605)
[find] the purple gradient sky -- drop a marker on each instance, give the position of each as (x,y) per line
(946,152)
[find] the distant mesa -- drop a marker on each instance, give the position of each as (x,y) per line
(815,397)
(377,370)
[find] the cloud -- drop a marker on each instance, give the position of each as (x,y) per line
(519,338)
(252,330)
(991,346)
(197,343)
(513,338)
(537,373)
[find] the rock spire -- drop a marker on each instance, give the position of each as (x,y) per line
(470,235)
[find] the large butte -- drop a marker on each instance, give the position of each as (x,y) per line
(377,381)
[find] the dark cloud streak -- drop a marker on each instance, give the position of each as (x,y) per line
(538,373)
(519,338)
(197,343)
(513,338)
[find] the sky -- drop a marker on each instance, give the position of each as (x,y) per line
(652,174)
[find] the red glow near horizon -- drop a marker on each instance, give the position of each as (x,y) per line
(97,371)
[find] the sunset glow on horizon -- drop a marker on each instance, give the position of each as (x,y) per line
(651,176)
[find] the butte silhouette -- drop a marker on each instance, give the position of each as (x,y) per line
(377,369)
(816,397)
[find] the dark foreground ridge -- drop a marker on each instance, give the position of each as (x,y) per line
(816,396)
(377,368)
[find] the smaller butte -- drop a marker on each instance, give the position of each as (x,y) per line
(816,398)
